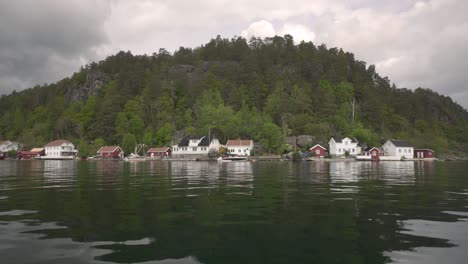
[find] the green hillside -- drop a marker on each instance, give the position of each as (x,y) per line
(263,89)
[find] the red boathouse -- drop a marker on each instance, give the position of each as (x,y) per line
(317,151)
(32,154)
(110,152)
(423,153)
(159,152)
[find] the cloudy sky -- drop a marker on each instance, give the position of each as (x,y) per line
(420,43)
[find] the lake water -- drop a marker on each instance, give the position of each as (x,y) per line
(240,212)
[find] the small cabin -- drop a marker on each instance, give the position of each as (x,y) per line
(317,151)
(423,153)
(110,152)
(159,152)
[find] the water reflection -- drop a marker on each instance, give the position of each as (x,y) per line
(205,212)
(394,171)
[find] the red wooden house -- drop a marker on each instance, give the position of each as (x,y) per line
(159,152)
(110,152)
(318,151)
(423,153)
(31,154)
(374,152)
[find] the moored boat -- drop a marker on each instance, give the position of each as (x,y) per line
(232,158)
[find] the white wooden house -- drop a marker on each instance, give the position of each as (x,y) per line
(339,146)
(60,149)
(196,145)
(240,147)
(399,149)
(7,146)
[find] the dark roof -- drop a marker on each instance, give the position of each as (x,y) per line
(401,143)
(203,143)
(339,139)
(186,140)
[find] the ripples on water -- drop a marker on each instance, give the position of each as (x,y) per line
(239,212)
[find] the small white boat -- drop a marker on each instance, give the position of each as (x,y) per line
(231,159)
(134,157)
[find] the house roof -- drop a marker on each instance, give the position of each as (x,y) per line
(7,142)
(204,142)
(238,142)
(317,145)
(185,141)
(401,143)
(57,142)
(25,152)
(108,149)
(339,139)
(377,148)
(36,150)
(158,149)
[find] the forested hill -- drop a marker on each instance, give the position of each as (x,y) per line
(263,89)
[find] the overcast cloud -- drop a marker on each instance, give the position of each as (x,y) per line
(414,43)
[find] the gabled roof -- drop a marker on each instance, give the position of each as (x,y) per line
(340,139)
(401,143)
(108,149)
(8,142)
(158,149)
(58,142)
(186,140)
(317,145)
(36,150)
(238,142)
(204,142)
(371,148)
(424,149)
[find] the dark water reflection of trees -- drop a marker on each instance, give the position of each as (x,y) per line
(321,212)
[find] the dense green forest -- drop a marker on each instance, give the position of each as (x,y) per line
(264,89)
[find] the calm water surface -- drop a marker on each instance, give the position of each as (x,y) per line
(241,212)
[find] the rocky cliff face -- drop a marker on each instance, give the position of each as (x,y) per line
(93,83)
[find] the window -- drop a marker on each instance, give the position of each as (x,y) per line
(239,150)
(317,151)
(339,150)
(399,150)
(352,150)
(194,148)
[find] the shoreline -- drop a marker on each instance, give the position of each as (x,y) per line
(260,159)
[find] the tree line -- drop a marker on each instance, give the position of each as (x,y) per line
(263,89)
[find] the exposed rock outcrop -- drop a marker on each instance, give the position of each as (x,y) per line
(94,82)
